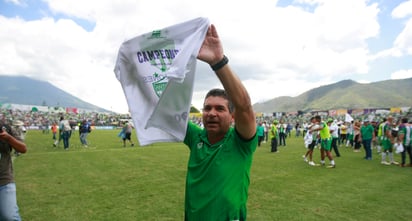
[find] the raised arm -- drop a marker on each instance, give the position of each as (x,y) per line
(15,143)
(211,52)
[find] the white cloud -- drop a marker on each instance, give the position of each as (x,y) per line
(402,74)
(276,51)
(17,2)
(403,10)
(404,39)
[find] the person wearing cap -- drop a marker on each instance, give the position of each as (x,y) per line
(367,135)
(8,200)
(273,134)
(334,131)
(325,142)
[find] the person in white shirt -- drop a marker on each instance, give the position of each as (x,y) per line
(333,129)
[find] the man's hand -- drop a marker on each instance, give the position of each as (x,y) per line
(211,50)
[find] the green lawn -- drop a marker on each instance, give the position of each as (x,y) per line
(109,182)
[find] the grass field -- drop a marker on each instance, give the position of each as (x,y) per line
(108,182)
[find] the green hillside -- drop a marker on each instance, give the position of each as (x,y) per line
(345,94)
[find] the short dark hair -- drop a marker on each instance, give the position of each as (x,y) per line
(220,93)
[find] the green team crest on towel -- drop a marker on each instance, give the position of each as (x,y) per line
(159,85)
(160,52)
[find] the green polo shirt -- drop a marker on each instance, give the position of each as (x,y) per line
(218,175)
(367,132)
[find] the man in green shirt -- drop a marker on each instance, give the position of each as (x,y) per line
(366,136)
(218,174)
(325,141)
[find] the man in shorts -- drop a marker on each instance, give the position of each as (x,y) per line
(325,142)
(387,142)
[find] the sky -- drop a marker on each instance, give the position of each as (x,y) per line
(277,48)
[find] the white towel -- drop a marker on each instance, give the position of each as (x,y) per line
(156,71)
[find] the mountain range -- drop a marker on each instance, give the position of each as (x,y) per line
(28,91)
(346,94)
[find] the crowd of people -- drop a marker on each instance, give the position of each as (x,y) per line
(386,134)
(44,120)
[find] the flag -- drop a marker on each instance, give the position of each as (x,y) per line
(156,71)
(348,118)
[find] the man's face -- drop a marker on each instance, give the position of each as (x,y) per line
(216,116)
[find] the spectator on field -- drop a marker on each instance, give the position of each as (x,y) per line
(282,133)
(260,131)
(333,129)
(85,129)
(266,131)
(311,139)
(274,136)
(54,130)
(405,138)
(343,133)
(367,135)
(65,132)
(127,131)
(356,136)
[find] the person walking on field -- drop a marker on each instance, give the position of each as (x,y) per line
(85,129)
(54,130)
(260,133)
(127,134)
(65,132)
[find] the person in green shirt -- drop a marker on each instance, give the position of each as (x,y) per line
(367,135)
(387,142)
(260,130)
(405,138)
(325,142)
(218,173)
